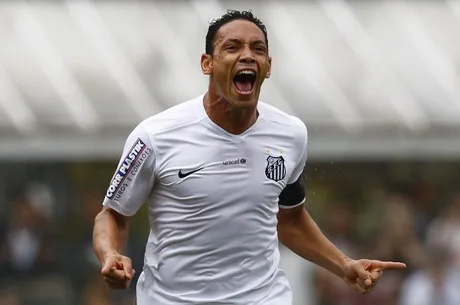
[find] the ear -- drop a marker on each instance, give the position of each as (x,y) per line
(269,70)
(206,64)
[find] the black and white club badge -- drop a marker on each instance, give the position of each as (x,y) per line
(275,170)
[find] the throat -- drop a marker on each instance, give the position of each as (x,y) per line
(238,122)
(233,120)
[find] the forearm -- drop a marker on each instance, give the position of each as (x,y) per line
(302,235)
(110,234)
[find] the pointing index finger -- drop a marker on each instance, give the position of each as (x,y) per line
(391,266)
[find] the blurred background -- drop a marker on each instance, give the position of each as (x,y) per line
(376,82)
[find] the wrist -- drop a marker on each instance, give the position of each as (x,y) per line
(344,263)
(106,255)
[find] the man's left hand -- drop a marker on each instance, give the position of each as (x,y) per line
(362,275)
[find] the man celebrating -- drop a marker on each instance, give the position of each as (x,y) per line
(221,175)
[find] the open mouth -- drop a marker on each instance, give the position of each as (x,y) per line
(244,81)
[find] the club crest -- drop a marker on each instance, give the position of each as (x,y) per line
(275,170)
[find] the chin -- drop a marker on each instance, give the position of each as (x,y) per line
(244,100)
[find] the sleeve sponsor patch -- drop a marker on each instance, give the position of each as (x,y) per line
(129,168)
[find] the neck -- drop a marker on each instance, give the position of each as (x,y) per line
(230,118)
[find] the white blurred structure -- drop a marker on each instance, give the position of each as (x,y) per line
(370,78)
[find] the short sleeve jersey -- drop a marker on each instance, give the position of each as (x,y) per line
(212,198)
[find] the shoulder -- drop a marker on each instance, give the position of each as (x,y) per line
(176,117)
(285,122)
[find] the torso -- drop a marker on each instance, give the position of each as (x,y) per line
(214,203)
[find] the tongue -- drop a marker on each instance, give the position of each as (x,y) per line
(243,86)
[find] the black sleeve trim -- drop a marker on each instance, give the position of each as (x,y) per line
(293,194)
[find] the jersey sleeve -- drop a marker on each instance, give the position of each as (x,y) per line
(294,194)
(134,178)
(302,161)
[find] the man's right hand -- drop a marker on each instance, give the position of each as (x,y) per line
(117,271)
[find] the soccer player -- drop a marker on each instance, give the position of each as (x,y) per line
(221,175)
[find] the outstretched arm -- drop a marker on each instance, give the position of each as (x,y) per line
(299,232)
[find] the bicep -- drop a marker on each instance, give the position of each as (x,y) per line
(120,219)
(286,216)
(110,219)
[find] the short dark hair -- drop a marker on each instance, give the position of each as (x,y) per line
(231,15)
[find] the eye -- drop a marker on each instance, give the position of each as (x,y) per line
(232,47)
(260,49)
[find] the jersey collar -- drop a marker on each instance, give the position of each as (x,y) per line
(199,106)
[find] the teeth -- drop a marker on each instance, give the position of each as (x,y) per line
(246,72)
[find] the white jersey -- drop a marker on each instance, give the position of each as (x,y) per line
(213,200)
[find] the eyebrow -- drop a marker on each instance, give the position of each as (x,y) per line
(231,40)
(235,40)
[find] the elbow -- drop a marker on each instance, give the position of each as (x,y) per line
(283,235)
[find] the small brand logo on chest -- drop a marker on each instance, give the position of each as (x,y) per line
(235,161)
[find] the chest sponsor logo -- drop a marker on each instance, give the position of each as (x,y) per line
(128,169)
(276,169)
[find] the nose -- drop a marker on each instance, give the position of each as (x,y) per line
(247,56)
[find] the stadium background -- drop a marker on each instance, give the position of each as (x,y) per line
(376,82)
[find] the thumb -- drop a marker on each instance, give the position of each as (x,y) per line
(109,265)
